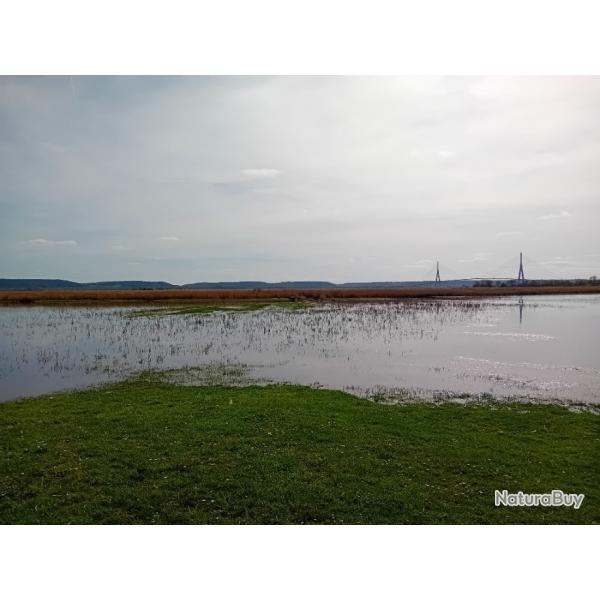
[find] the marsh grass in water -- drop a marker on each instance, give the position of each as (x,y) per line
(404,396)
(147,451)
(203,307)
(212,374)
(543,349)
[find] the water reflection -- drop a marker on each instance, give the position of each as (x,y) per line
(428,345)
(521,304)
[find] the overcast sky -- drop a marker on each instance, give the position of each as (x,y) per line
(283,178)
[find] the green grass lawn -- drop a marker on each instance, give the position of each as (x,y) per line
(149,452)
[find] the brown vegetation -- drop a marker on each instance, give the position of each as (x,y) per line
(144,296)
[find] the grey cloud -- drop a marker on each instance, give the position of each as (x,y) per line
(560,215)
(339,178)
(260,173)
(471,260)
(44,242)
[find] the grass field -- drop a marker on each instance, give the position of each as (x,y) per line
(149,452)
(187,295)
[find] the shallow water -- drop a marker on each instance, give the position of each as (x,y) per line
(538,347)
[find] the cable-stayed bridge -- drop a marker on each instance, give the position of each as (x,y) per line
(519,268)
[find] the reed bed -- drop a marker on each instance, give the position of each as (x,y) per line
(340,294)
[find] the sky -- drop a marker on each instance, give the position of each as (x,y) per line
(343,179)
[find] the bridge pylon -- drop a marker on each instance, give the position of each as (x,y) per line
(521,275)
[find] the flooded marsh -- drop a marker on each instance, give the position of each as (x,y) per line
(544,347)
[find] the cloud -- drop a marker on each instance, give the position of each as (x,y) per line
(44,242)
(471,260)
(477,257)
(261,173)
(561,215)
(444,154)
(386,170)
(507,233)
(419,264)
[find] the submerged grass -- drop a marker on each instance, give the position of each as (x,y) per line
(203,307)
(211,374)
(147,451)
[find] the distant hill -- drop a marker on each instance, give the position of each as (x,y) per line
(128,285)
(454,283)
(263,285)
(63,284)
(37,284)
